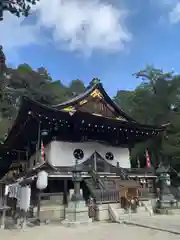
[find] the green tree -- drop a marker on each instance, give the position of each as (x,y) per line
(18,7)
(125,100)
(76,87)
(59,91)
(94,81)
(32,83)
(156,102)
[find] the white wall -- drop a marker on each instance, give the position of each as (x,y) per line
(61,153)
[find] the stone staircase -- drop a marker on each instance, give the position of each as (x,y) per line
(101,189)
(148,206)
(175,212)
(118,214)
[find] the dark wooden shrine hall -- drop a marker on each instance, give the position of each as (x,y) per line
(92,116)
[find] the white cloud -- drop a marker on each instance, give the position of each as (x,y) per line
(168,2)
(163,3)
(13,35)
(174,15)
(76,25)
(173,9)
(170,10)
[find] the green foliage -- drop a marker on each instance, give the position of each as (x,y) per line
(94,81)
(4,125)
(76,87)
(37,85)
(156,101)
(125,100)
(18,7)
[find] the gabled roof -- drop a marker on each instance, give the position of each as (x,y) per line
(89,162)
(97,95)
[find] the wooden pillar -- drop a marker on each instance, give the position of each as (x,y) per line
(65,201)
(1,194)
(130,149)
(2,224)
(95,162)
(27,161)
(39,205)
(3,207)
(154,186)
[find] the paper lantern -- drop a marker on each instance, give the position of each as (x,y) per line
(42,180)
(168,180)
(6,190)
(25,196)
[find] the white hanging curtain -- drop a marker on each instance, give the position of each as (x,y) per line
(14,190)
(25,197)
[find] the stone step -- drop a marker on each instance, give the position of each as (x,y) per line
(114,215)
(120,211)
(141,209)
(175,211)
(120,214)
(133,216)
(147,207)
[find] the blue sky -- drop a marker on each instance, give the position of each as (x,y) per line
(109,39)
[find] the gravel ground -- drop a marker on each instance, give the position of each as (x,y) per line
(95,231)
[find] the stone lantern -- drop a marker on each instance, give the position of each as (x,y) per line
(166,199)
(77,178)
(77,212)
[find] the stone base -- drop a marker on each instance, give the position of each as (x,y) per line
(75,224)
(102,211)
(168,211)
(168,205)
(76,214)
(50,212)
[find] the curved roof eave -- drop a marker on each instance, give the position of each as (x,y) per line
(27,100)
(82,96)
(28,105)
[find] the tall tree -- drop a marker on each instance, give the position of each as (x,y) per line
(16,7)
(94,81)
(76,87)
(31,83)
(155,101)
(125,100)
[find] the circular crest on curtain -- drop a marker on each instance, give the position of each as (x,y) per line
(78,154)
(109,156)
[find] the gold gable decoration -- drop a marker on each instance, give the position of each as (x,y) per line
(117,118)
(99,108)
(83,102)
(96,93)
(69,109)
(120,118)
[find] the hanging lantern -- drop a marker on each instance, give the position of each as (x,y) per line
(56,128)
(42,180)
(44,132)
(168,179)
(6,190)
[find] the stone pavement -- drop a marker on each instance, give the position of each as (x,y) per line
(95,231)
(166,223)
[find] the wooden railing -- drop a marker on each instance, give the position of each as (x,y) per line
(109,196)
